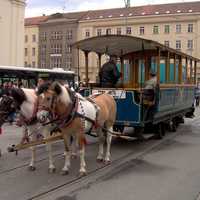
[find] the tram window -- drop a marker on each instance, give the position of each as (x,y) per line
(127,73)
(162,72)
(141,72)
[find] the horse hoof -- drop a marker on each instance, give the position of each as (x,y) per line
(82,174)
(99,160)
(31,168)
(64,172)
(52,170)
(74,156)
(107,162)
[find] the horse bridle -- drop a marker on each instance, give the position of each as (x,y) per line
(63,119)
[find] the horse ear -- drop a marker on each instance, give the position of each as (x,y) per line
(57,88)
(43,88)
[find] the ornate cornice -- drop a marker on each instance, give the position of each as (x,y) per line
(19,2)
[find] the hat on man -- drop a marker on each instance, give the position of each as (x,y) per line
(152,72)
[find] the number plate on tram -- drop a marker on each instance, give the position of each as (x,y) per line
(117,94)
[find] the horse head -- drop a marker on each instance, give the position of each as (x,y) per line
(10,103)
(53,99)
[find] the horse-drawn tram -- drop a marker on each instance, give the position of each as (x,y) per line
(138,106)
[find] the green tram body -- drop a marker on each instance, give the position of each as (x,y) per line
(176,76)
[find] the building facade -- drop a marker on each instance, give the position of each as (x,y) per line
(12,32)
(31,41)
(176,25)
(56,35)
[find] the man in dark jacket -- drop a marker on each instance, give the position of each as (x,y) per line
(109,74)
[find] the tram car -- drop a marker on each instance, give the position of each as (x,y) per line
(165,105)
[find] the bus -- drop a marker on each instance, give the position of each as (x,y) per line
(28,77)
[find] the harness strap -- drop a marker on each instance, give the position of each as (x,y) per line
(33,119)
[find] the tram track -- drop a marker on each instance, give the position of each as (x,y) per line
(93,175)
(57,155)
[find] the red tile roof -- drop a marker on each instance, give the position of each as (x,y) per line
(35,20)
(159,9)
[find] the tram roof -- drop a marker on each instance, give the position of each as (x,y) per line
(121,45)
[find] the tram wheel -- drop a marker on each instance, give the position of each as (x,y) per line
(160,130)
(118,129)
(174,125)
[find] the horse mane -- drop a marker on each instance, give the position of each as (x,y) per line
(18,94)
(43,88)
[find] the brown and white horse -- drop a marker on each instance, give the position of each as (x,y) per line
(25,102)
(76,116)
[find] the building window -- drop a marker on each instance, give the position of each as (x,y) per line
(167,29)
(26,52)
(178,28)
(155,30)
(69,63)
(119,31)
(166,43)
(190,28)
(190,44)
(56,62)
(108,31)
(33,64)
(69,34)
(87,33)
(43,63)
(44,36)
(25,64)
(33,51)
(43,49)
(56,48)
(178,44)
(141,30)
(128,30)
(98,32)
(33,38)
(56,35)
(26,38)
(68,48)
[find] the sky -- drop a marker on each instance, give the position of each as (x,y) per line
(40,7)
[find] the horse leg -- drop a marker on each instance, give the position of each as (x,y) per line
(74,144)
(32,163)
(33,152)
(108,145)
(101,139)
(65,169)
(52,167)
(82,171)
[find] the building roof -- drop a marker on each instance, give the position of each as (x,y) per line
(147,10)
(35,20)
(159,9)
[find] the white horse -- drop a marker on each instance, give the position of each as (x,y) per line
(76,116)
(26,102)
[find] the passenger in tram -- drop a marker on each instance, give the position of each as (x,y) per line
(150,95)
(152,82)
(109,74)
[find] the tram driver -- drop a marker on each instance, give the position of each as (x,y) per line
(109,73)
